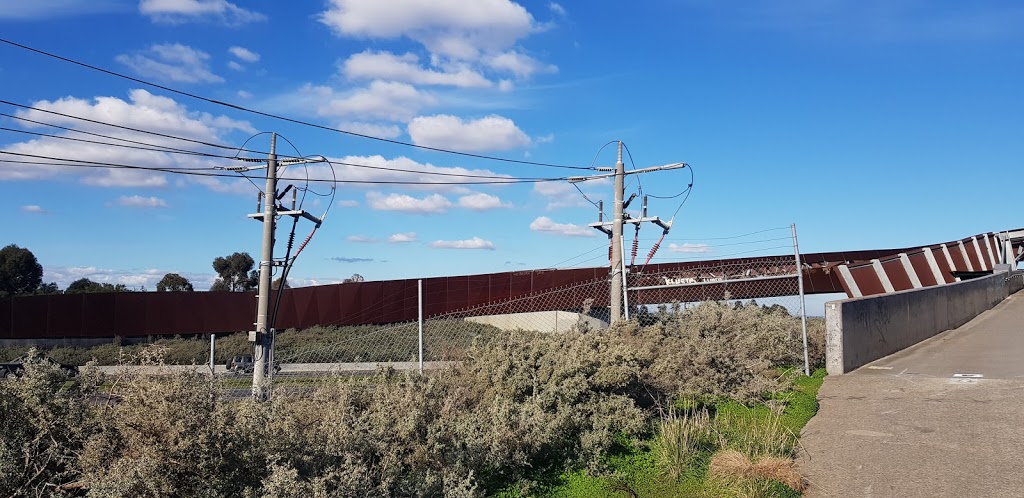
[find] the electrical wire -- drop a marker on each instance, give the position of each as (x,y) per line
(168,149)
(143,145)
(123,127)
(556,265)
(733,236)
(723,256)
(279,117)
(731,243)
(80,163)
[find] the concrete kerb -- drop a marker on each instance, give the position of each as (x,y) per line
(862,330)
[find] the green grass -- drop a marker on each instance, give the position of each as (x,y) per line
(635,470)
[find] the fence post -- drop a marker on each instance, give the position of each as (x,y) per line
(419,306)
(213,338)
(800,285)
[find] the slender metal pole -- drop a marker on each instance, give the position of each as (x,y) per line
(616,263)
(803,312)
(213,338)
(419,306)
(260,352)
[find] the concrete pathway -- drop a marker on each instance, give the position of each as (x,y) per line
(944,418)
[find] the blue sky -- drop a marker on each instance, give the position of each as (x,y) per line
(869,124)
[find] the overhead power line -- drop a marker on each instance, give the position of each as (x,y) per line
(126,128)
(280,117)
(174,150)
(211,172)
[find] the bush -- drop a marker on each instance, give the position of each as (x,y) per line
(519,406)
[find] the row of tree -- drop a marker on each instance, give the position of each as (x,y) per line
(21,274)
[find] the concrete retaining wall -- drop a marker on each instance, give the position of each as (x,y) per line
(541,321)
(861,330)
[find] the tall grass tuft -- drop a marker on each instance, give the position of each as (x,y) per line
(683,438)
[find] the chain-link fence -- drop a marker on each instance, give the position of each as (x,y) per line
(436,341)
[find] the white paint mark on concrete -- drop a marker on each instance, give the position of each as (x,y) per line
(872,367)
(968,375)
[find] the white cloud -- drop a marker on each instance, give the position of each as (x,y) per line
(138,201)
(474,243)
(459,29)
(384,100)
(142,110)
(545,139)
(402,238)
(689,248)
(347,203)
(172,62)
(179,11)
(242,94)
(522,66)
(134,278)
(432,204)
(557,9)
(370,65)
(451,132)
(372,129)
(244,54)
(506,85)
(361,239)
(545,224)
(234,66)
(482,202)
(33,209)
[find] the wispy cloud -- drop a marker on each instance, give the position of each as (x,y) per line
(482,202)
(362,239)
(547,225)
(181,11)
(351,260)
(402,238)
(474,243)
(244,54)
(431,204)
(690,248)
(138,201)
(172,62)
(33,209)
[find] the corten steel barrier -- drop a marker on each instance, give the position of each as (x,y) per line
(925,266)
(140,314)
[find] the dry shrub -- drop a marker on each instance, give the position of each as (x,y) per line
(43,425)
(715,350)
(730,464)
(166,435)
(519,405)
